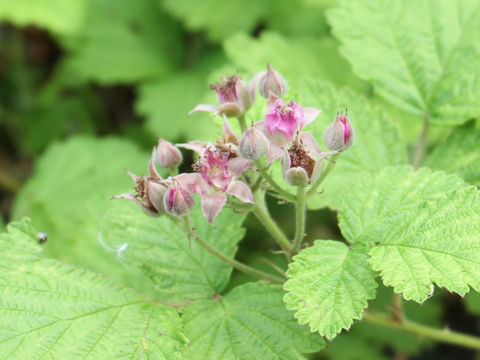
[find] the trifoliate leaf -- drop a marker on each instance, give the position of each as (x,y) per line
(376,143)
(58,16)
(425,226)
(124,41)
(162,249)
(458,154)
(218,18)
(69,192)
(421,55)
(250,322)
(54,310)
(329,286)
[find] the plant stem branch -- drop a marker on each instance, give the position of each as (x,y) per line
(420,148)
(242,122)
(397,308)
(269,179)
(316,184)
(441,335)
(261,212)
(299,220)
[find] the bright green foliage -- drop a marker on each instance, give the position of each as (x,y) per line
(420,55)
(373,207)
(294,58)
(250,322)
(376,141)
(329,286)
(162,250)
(425,226)
(54,310)
(459,154)
(218,18)
(58,16)
(69,192)
(124,41)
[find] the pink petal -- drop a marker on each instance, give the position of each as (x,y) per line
(238,165)
(274,152)
(310,143)
(204,107)
(212,204)
(193,182)
(310,114)
(241,191)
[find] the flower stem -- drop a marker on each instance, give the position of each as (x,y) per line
(299,220)
(316,184)
(261,212)
(284,194)
(420,148)
(242,122)
(441,335)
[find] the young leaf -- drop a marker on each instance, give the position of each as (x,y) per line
(70,191)
(421,56)
(161,249)
(425,226)
(329,286)
(54,310)
(376,141)
(458,154)
(250,322)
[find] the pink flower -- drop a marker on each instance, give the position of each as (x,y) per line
(216,177)
(339,134)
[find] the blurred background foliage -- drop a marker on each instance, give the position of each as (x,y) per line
(87,85)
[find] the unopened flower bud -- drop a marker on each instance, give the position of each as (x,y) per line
(297,176)
(339,134)
(253,144)
(272,82)
(166,154)
(177,200)
(155,193)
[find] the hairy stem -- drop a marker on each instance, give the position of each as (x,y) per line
(397,308)
(441,335)
(422,139)
(316,184)
(284,194)
(299,220)
(261,212)
(242,122)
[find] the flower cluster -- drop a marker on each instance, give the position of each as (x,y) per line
(229,166)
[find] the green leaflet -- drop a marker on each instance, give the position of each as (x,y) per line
(250,322)
(425,226)
(161,249)
(421,56)
(376,141)
(123,41)
(54,310)
(59,16)
(329,286)
(458,154)
(69,192)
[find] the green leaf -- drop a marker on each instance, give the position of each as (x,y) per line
(162,250)
(250,322)
(124,41)
(54,310)
(421,56)
(69,192)
(295,58)
(458,154)
(59,16)
(329,286)
(218,18)
(376,140)
(425,226)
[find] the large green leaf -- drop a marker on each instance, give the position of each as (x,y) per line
(250,322)
(376,141)
(54,310)
(68,193)
(162,249)
(459,154)
(124,41)
(329,286)
(420,55)
(59,16)
(218,18)
(425,228)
